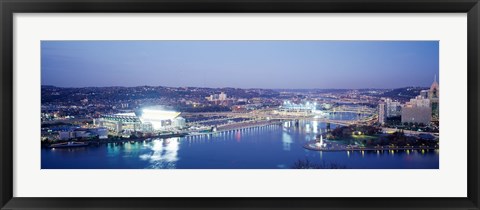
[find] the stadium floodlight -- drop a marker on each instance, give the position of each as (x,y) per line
(156,115)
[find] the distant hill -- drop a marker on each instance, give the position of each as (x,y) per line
(403,94)
(62,94)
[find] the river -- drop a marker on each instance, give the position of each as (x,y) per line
(278,146)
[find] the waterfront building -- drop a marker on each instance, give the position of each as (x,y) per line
(146,127)
(65,135)
(101,133)
(82,133)
(150,119)
(179,122)
(119,122)
(417,110)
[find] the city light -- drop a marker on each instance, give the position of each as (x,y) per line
(228,118)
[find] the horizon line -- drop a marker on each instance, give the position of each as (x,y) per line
(237,87)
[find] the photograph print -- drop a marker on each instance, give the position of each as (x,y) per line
(291,104)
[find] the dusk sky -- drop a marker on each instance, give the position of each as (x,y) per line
(240,64)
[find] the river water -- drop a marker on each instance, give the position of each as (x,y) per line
(278,146)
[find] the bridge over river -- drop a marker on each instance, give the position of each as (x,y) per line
(227,118)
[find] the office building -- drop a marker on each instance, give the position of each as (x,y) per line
(434,96)
(417,110)
(392,108)
(381,113)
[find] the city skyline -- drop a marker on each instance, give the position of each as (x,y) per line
(240,105)
(275,89)
(240,64)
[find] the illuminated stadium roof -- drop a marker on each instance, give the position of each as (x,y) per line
(294,106)
(156,114)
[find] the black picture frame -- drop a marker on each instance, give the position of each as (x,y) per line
(10,7)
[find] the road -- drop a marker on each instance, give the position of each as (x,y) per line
(391,130)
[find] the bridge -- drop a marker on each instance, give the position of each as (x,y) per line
(340,109)
(349,109)
(255,116)
(210,120)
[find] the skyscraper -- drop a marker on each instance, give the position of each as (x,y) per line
(433,95)
(392,108)
(381,113)
(417,110)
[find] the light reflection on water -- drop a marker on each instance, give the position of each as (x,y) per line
(163,153)
(287,141)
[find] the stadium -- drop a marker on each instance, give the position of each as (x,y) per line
(147,119)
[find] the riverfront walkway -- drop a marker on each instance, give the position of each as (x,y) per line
(244,125)
(337,147)
(392,130)
(237,126)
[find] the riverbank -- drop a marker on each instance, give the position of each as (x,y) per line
(94,142)
(270,147)
(337,147)
(237,126)
(232,127)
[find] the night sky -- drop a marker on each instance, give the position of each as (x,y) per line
(240,64)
